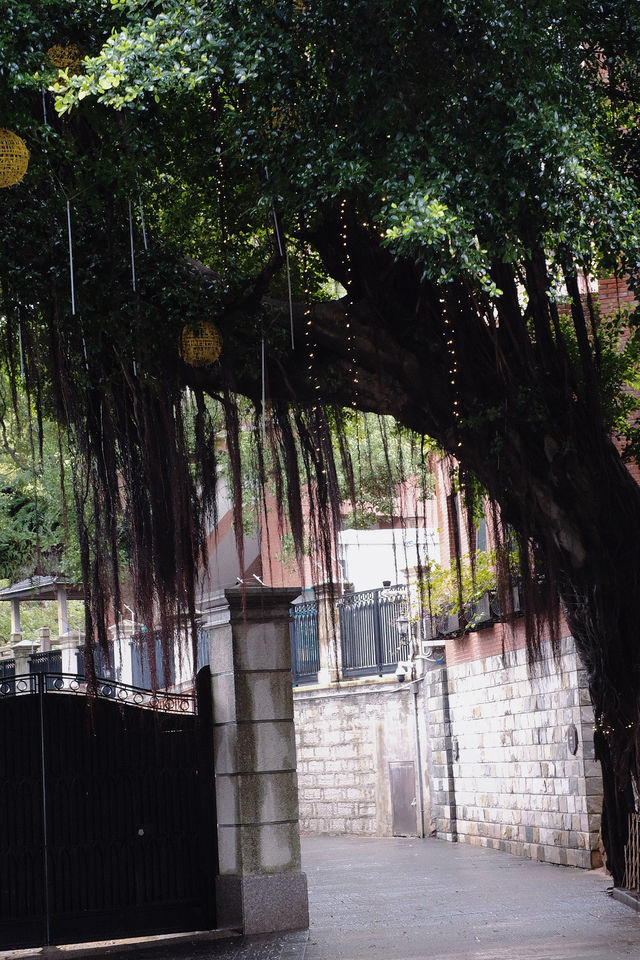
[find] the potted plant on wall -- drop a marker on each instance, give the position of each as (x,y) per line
(453,604)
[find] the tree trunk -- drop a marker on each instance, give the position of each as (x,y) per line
(605,636)
(618,800)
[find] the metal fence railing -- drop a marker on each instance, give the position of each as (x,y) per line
(632,854)
(70,683)
(305,646)
(104,665)
(370,634)
(150,666)
(202,656)
(7,668)
(47,662)
(7,676)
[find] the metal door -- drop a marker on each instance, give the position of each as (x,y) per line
(403,798)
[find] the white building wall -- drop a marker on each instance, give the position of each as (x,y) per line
(371,556)
(346,738)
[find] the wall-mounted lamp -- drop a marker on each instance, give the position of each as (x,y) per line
(402,624)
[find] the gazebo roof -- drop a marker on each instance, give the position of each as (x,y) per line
(42,588)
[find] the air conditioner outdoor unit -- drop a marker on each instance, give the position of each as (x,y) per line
(427,646)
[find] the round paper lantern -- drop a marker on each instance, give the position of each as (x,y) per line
(284,117)
(14,158)
(200,343)
(66,57)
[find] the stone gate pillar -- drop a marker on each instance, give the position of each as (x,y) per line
(327,595)
(260,887)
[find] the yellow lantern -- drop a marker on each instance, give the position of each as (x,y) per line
(285,117)
(66,57)
(14,158)
(200,343)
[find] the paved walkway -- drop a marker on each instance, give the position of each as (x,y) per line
(414,899)
(399,899)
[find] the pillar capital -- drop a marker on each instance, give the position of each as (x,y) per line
(250,602)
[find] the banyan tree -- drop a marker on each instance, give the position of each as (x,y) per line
(392,207)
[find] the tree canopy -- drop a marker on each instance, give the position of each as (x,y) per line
(399,208)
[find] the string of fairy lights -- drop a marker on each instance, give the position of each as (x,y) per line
(310,348)
(309,342)
(452,369)
(14,158)
(348,276)
(603,726)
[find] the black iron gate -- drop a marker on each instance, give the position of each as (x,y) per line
(107,810)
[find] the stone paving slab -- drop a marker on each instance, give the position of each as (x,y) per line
(410,899)
(405,899)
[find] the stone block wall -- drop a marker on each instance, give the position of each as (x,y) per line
(443,813)
(504,774)
(346,737)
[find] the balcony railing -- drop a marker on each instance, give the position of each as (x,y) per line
(369,631)
(305,645)
(375,632)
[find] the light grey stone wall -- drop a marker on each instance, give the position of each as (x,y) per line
(440,742)
(346,737)
(503,773)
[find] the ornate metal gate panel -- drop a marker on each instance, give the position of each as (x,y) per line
(371,641)
(108,813)
(305,645)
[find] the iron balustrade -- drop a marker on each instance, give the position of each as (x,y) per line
(68,683)
(149,665)
(49,661)
(305,646)
(7,672)
(202,655)
(108,665)
(369,631)
(7,668)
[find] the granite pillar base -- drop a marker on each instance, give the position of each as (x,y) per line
(266,903)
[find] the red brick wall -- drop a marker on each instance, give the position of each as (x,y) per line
(492,641)
(612,295)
